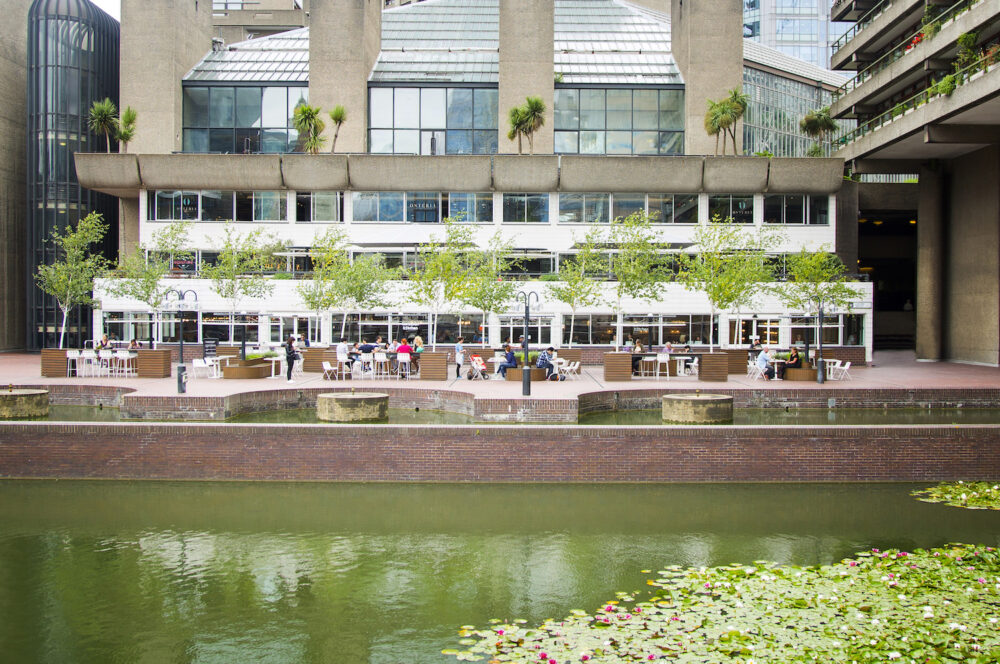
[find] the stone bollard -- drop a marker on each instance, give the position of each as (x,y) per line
(697,408)
(352,406)
(22,404)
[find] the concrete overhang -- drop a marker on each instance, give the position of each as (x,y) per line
(805,175)
(114,174)
(314,172)
(370,172)
(678,175)
(875,196)
(241,172)
(525,173)
(736,175)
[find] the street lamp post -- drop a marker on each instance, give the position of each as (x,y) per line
(526,369)
(181,304)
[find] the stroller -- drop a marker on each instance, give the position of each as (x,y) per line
(477,368)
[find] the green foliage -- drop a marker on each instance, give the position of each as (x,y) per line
(532,357)
(815,150)
(525,120)
(486,288)
(967,53)
(307,121)
(558,77)
(764,153)
(815,280)
(729,266)
(818,124)
(238,270)
(722,117)
(103,119)
(282,276)
(440,282)
(945,86)
(549,277)
(637,261)
(258,356)
(973,495)
(919,606)
(126,130)
(338,116)
(70,278)
(575,287)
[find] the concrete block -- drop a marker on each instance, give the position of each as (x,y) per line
(415,173)
(314,172)
(735,175)
(513,173)
(805,175)
(676,175)
(243,172)
(115,174)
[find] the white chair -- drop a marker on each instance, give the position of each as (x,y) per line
(72,363)
(297,367)
(753,371)
(329,371)
(692,367)
(402,365)
(123,363)
(366,361)
(646,366)
(842,372)
(831,367)
(199,365)
(87,365)
(380,365)
(343,364)
(105,362)
(572,370)
(662,359)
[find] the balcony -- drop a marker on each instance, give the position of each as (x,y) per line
(851,10)
(876,31)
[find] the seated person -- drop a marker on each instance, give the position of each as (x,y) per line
(103,344)
(764,364)
(636,356)
(794,359)
(366,347)
(134,345)
(509,361)
(667,348)
(686,349)
(545,362)
(403,347)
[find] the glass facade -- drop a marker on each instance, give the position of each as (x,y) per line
(407,120)
(799,28)
(587,208)
(72,62)
(619,121)
(241,119)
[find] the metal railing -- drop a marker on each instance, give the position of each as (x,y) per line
(861,24)
(936,90)
(901,49)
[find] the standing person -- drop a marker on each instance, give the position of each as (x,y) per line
(418,348)
(459,357)
(290,354)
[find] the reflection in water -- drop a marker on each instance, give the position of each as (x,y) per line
(223,572)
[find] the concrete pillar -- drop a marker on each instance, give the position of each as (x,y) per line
(931,251)
(13,172)
(161,40)
(526,67)
(128,226)
(345,37)
(847,225)
(707,42)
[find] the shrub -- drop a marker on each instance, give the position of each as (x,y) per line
(946,85)
(282,275)
(551,276)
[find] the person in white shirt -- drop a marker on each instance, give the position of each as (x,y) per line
(764,363)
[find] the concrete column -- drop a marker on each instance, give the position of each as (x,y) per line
(345,37)
(526,67)
(161,40)
(707,42)
(13,171)
(128,226)
(846,219)
(931,251)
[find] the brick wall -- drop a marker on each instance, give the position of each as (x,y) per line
(485,453)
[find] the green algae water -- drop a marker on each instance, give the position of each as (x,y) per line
(274,572)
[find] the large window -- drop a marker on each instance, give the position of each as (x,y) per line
(474,208)
(600,208)
(432,120)
(796,209)
(725,206)
(619,121)
(584,208)
(838,329)
(319,206)
(539,329)
(422,207)
(674,208)
(385,206)
(745,330)
(244,206)
(591,329)
(225,327)
(237,119)
(526,208)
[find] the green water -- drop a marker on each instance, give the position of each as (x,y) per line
(239,572)
(743,416)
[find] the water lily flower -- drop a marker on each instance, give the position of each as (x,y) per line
(981,580)
(853,563)
(584,657)
(542,655)
(894,655)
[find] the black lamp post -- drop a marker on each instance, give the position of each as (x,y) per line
(180,303)
(526,369)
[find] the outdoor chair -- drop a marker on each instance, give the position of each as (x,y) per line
(662,359)
(123,365)
(87,365)
(105,362)
(365,363)
(201,365)
(831,367)
(343,364)
(402,365)
(72,363)
(646,366)
(572,370)
(329,371)
(842,372)
(692,367)
(753,371)
(380,365)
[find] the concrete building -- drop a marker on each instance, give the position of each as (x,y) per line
(426,87)
(239,20)
(925,98)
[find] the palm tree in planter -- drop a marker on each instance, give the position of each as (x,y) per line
(126,129)
(533,114)
(515,116)
(103,119)
(818,124)
(307,121)
(736,106)
(338,116)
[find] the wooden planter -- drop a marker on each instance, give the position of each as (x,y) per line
(617,367)
(313,358)
(803,374)
(153,363)
(714,367)
(243,369)
(571,354)
(517,375)
(433,365)
(54,362)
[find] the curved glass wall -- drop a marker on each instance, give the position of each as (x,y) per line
(72,62)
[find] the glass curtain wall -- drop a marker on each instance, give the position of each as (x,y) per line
(72,62)
(428,121)
(619,121)
(241,119)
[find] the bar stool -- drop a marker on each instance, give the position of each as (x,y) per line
(72,359)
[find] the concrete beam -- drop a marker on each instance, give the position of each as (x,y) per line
(679,175)
(251,172)
(370,172)
(937,64)
(314,172)
(108,173)
(868,166)
(806,175)
(526,173)
(953,133)
(735,175)
(876,196)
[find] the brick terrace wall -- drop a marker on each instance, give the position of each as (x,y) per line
(83,395)
(484,453)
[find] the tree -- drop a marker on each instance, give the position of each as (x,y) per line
(103,119)
(238,271)
(817,124)
(307,121)
(737,103)
(440,280)
(713,124)
(515,116)
(70,279)
(487,289)
(329,259)
(362,285)
(141,274)
(729,266)
(126,130)
(533,115)
(815,280)
(576,288)
(637,264)
(338,116)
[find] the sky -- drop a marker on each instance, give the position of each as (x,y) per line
(113,7)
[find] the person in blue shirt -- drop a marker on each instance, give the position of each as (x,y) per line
(545,362)
(509,361)
(459,357)
(764,364)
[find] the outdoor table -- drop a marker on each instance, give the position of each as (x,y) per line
(682,361)
(275,361)
(778,370)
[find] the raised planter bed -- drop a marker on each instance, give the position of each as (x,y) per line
(313,358)
(433,365)
(54,362)
(714,367)
(244,369)
(153,363)
(617,367)
(517,375)
(802,374)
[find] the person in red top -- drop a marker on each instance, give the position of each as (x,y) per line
(404,347)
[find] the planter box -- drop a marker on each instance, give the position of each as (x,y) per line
(243,369)
(617,367)
(433,365)
(801,374)
(54,362)
(714,367)
(313,358)
(517,375)
(153,363)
